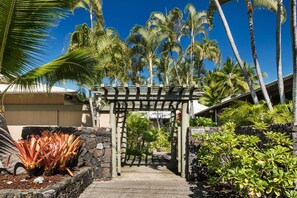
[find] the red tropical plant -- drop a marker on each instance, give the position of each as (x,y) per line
(50,152)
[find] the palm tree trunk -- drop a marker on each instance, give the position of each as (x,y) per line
(92,108)
(175,67)
(255,57)
(192,62)
(236,53)
(151,69)
(294,52)
(279,53)
(91,17)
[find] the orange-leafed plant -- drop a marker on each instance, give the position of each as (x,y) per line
(61,149)
(50,152)
(30,153)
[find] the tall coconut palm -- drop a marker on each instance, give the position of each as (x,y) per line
(195,25)
(293,25)
(23,30)
(145,43)
(215,5)
(277,7)
(254,53)
(279,21)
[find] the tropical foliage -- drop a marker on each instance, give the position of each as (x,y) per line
(249,167)
(202,121)
(228,80)
(143,138)
(49,153)
(244,114)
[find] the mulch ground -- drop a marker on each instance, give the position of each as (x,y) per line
(8,181)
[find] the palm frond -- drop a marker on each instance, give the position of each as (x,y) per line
(23,29)
(74,66)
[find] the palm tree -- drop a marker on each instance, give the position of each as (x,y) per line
(255,56)
(215,5)
(205,50)
(212,90)
(164,67)
(93,7)
(231,78)
(144,43)
(184,69)
(294,52)
(23,29)
(195,25)
(281,17)
(277,7)
(171,25)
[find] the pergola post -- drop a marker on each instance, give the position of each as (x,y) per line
(119,167)
(113,125)
(185,125)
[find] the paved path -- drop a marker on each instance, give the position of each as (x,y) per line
(143,182)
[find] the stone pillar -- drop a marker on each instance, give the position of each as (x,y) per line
(113,126)
(185,126)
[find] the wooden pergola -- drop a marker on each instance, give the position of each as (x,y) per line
(126,98)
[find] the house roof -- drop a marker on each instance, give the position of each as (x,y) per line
(272,89)
(40,88)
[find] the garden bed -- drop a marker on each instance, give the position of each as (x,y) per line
(54,186)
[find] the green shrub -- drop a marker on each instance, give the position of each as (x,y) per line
(162,142)
(239,161)
(202,121)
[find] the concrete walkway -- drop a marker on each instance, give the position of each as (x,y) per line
(141,182)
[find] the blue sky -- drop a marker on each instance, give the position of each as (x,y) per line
(123,15)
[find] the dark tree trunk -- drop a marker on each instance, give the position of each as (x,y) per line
(294,52)
(255,57)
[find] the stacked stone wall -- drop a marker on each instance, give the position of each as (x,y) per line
(95,151)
